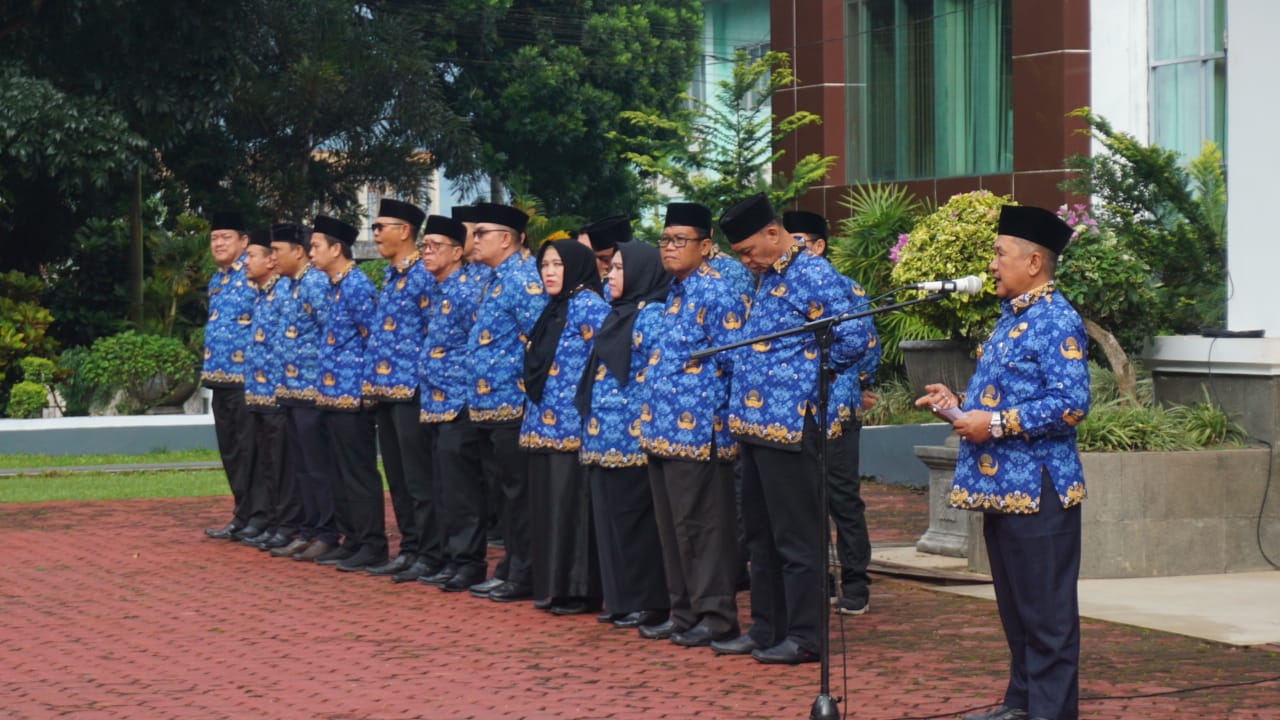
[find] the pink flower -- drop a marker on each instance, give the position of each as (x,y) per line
(896,250)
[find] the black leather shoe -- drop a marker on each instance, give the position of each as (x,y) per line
(1004,712)
(335,556)
(482,589)
(440,576)
(640,617)
(575,606)
(610,617)
(419,569)
(463,580)
(297,546)
(392,566)
(247,531)
(701,635)
(661,631)
(510,592)
(223,533)
(364,559)
(741,645)
(786,652)
(275,541)
(317,549)
(543,604)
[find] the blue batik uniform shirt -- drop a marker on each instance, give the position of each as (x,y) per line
(227,334)
(1033,371)
(351,304)
(263,358)
(509,306)
(395,338)
(444,375)
(611,432)
(775,382)
(685,401)
(846,389)
(302,318)
(554,423)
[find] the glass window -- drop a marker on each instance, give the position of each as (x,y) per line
(1188,74)
(929,91)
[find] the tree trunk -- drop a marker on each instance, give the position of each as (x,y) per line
(1126,379)
(136,266)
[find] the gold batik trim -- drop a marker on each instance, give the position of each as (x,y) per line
(345,402)
(772,432)
(1014,503)
(287,394)
(613,459)
(664,448)
(257,400)
(395,392)
(222,376)
(502,413)
(444,417)
(534,441)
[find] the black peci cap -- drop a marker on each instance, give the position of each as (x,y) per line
(605,234)
(746,218)
(400,210)
(689,215)
(446,226)
(227,221)
(336,229)
(504,215)
(801,221)
(1038,225)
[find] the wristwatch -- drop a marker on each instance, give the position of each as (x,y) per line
(997,425)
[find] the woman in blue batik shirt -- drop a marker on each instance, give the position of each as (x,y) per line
(631,573)
(565,568)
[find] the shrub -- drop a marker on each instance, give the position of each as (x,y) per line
(953,241)
(26,399)
(147,367)
(24,324)
(79,396)
(37,369)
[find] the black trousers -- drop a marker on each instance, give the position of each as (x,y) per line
(627,539)
(406,458)
(694,510)
(562,534)
(786,531)
(849,512)
(464,499)
(359,504)
(273,479)
(235,446)
(313,471)
(1035,565)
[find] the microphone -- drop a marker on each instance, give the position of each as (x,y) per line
(967,285)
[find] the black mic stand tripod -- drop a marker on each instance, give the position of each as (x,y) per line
(824,706)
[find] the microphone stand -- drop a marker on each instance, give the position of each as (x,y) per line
(824,706)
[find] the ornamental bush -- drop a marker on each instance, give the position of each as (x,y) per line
(148,368)
(26,399)
(953,241)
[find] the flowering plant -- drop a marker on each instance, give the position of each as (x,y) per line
(953,241)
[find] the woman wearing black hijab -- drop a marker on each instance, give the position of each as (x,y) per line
(565,568)
(635,588)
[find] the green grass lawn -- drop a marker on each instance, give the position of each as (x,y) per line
(11,461)
(112,486)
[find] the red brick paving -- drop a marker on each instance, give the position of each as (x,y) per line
(124,610)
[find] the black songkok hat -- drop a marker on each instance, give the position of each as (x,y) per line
(336,229)
(1038,225)
(464,213)
(290,233)
(746,218)
(504,215)
(800,221)
(399,210)
(262,237)
(228,221)
(688,214)
(447,226)
(607,233)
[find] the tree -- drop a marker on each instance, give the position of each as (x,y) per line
(715,152)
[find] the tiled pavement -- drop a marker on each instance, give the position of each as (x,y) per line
(124,610)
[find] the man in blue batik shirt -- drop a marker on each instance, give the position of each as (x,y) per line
(225,337)
(391,379)
(509,306)
(1019,466)
(359,506)
(772,413)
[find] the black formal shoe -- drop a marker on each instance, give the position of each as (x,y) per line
(482,589)
(741,645)
(463,579)
(223,533)
(312,552)
(575,606)
(257,540)
(1003,712)
(334,556)
(701,635)
(543,603)
(248,531)
(419,569)
(297,546)
(661,631)
(786,652)
(611,617)
(363,559)
(275,541)
(440,576)
(392,566)
(640,617)
(510,592)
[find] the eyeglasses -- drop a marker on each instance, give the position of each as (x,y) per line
(480,232)
(379,227)
(436,246)
(800,239)
(675,241)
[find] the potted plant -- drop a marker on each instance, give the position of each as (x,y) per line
(953,241)
(152,371)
